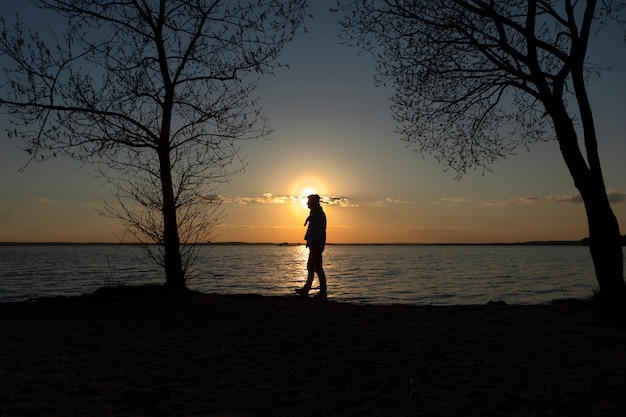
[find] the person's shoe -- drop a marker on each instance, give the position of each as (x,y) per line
(302,291)
(321,297)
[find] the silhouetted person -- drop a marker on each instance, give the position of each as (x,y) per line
(316,241)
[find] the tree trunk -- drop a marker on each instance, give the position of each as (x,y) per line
(605,240)
(605,244)
(174,274)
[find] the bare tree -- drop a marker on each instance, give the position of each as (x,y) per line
(476,79)
(156,93)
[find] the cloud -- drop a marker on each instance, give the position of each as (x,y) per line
(388,201)
(564,199)
(555,199)
(397,201)
(528,200)
(269,198)
(452,201)
(41,200)
(338,201)
(615,197)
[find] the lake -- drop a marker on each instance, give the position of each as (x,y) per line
(367,274)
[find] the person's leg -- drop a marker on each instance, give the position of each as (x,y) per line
(322,277)
(316,254)
(310,267)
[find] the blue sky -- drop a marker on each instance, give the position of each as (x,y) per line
(334,134)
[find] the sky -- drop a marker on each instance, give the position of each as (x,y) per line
(333,134)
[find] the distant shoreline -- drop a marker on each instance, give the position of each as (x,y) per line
(235,243)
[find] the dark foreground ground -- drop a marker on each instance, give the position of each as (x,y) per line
(209,355)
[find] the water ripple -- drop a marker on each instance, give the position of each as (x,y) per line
(368,274)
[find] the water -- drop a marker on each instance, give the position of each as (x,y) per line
(370,274)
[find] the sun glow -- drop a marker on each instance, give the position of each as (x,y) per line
(306,185)
(305,193)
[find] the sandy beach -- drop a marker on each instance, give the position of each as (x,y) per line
(235,356)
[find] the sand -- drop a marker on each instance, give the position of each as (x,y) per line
(219,355)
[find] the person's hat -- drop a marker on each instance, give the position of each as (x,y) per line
(314,197)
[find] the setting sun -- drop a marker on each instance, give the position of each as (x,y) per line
(305,185)
(305,193)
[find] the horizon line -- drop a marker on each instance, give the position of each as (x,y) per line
(226,243)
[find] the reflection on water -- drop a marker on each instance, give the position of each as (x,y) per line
(379,274)
(264,269)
